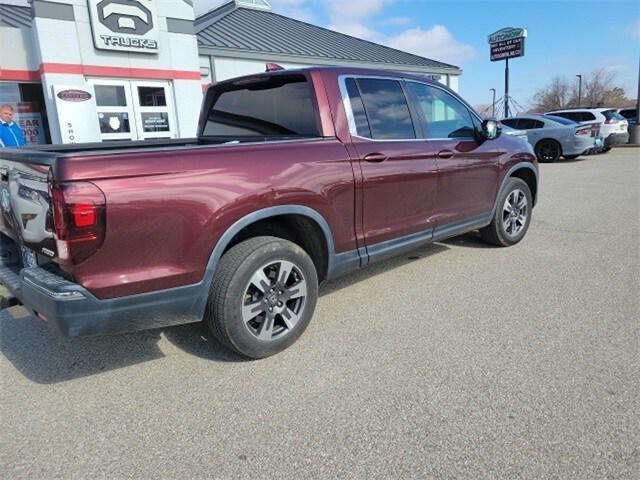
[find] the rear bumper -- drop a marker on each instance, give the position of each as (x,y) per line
(73,311)
(579,146)
(617,139)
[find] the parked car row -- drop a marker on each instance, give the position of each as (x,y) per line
(572,132)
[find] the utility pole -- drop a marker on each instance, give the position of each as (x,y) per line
(638,97)
(579,90)
(506,88)
(493,103)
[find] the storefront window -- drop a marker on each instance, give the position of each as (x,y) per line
(110,96)
(29,110)
(152,97)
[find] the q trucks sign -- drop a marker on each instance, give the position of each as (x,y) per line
(124,25)
(507,43)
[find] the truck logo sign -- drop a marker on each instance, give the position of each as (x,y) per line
(125,16)
(124,25)
(74,95)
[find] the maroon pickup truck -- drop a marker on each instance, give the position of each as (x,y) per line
(296,176)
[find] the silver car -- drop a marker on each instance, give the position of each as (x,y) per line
(552,137)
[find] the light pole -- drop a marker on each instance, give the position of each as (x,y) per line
(579,90)
(493,103)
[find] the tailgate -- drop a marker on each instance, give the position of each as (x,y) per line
(25,215)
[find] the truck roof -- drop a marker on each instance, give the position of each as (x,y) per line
(337,69)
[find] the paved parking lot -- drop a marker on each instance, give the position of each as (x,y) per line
(456,361)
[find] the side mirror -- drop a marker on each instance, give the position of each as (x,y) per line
(490,129)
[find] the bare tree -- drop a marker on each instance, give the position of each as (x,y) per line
(598,90)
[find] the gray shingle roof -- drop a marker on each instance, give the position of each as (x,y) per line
(15,16)
(266,32)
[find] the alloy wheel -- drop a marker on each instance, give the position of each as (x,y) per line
(515,212)
(274,300)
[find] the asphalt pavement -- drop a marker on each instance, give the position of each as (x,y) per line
(455,361)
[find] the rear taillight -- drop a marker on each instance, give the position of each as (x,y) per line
(583,131)
(79,220)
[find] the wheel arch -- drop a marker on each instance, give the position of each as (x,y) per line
(300,224)
(527,172)
(529,178)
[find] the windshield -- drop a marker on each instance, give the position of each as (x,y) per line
(563,121)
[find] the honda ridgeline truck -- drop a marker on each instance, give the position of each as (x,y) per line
(295,177)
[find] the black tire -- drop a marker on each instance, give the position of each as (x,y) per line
(272,327)
(571,157)
(496,233)
(606,149)
(548,151)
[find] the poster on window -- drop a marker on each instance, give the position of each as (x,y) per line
(29,117)
(155,122)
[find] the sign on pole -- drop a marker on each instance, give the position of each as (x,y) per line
(504,44)
(507,43)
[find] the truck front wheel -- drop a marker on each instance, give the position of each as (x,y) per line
(512,217)
(263,296)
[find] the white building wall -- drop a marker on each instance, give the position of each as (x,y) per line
(454,82)
(71,43)
(17,51)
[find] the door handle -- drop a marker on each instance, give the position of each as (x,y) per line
(445,154)
(375,157)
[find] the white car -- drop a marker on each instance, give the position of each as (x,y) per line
(552,137)
(614,128)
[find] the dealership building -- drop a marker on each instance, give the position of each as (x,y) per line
(100,70)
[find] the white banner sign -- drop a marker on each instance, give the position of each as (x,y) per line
(124,25)
(77,113)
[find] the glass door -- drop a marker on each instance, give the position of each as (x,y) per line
(153,104)
(115,109)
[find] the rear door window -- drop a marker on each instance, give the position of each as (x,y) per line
(386,109)
(575,116)
(357,108)
(586,117)
(529,124)
(510,122)
(444,116)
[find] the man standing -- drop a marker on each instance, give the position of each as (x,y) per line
(10,132)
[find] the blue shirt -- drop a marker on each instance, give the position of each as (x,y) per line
(11,135)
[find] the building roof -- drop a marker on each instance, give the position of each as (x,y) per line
(15,16)
(239,26)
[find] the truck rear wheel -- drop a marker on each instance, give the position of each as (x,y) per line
(513,215)
(263,296)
